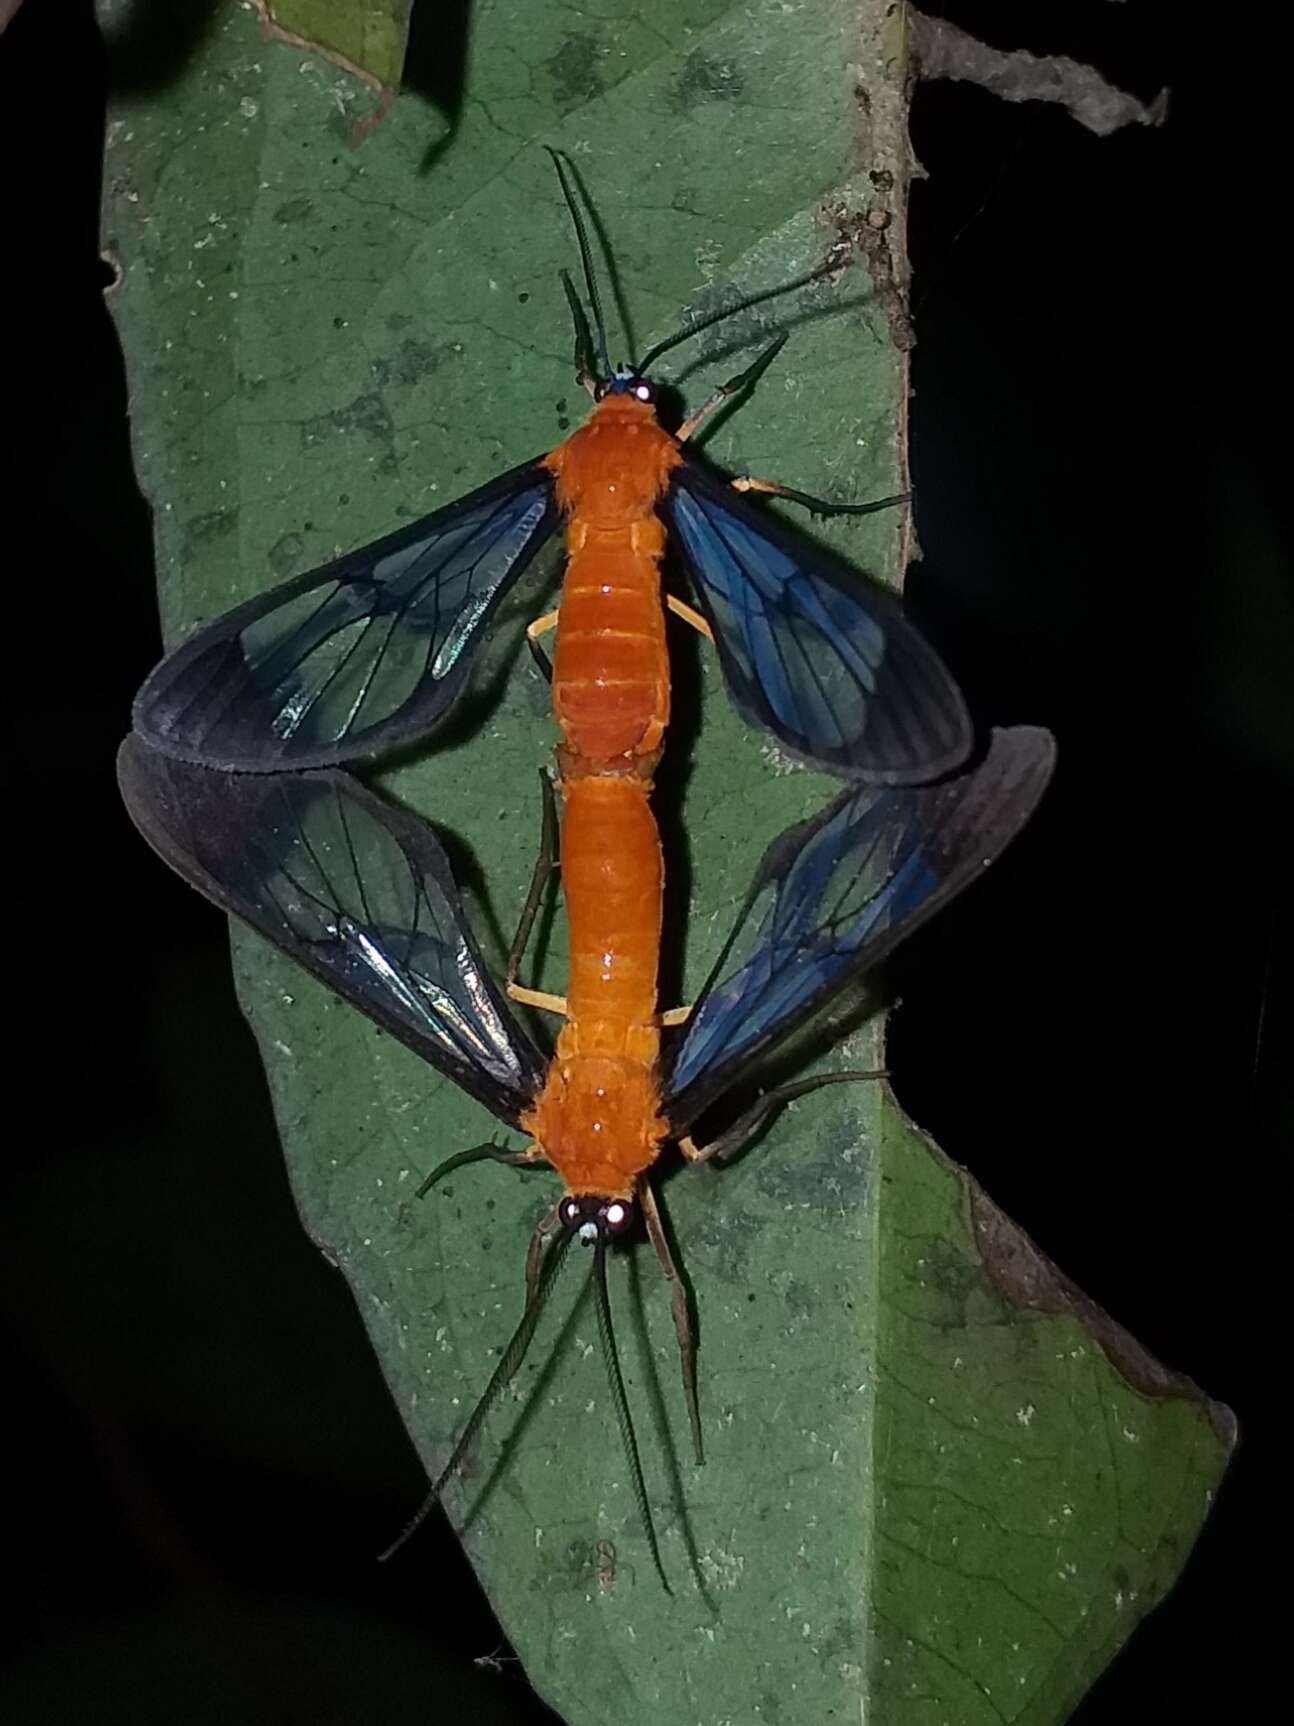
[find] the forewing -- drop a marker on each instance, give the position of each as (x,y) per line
(834,895)
(824,660)
(355,891)
(368,652)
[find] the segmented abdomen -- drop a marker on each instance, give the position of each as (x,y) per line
(598,1117)
(613,881)
(611,671)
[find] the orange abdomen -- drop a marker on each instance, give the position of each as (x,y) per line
(597,1118)
(611,670)
(613,882)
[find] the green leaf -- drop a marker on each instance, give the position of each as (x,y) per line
(368,36)
(939,1485)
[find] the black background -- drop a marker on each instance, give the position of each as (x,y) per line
(1100,1031)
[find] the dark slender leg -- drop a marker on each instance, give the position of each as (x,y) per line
(733,387)
(817,505)
(545,863)
(585,367)
(733,1141)
(535,1251)
(488,1152)
(540,658)
(681,1306)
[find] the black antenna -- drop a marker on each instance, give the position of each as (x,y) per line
(695,327)
(511,1360)
(621,1402)
(586,365)
(567,181)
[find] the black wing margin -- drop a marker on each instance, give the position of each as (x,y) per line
(365,653)
(834,895)
(358,893)
(813,653)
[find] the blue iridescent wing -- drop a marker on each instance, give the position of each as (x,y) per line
(834,895)
(358,893)
(824,660)
(365,653)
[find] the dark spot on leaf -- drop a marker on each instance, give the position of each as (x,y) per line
(287,554)
(827,1175)
(947,1276)
(418,359)
(725,1239)
(367,415)
(837,1642)
(293,210)
(800,1299)
(207,527)
(574,71)
(705,78)
(578,1565)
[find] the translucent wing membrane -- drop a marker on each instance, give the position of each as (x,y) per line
(834,895)
(356,892)
(826,662)
(365,653)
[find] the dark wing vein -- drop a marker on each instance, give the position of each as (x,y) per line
(831,899)
(824,660)
(365,653)
(357,892)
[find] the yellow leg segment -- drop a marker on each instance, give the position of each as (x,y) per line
(681,609)
(539,998)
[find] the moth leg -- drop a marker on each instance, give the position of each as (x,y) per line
(546,863)
(674,1016)
(733,387)
(535,1251)
(734,1139)
(488,1152)
(680,608)
(539,998)
(541,626)
(680,1305)
(816,505)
